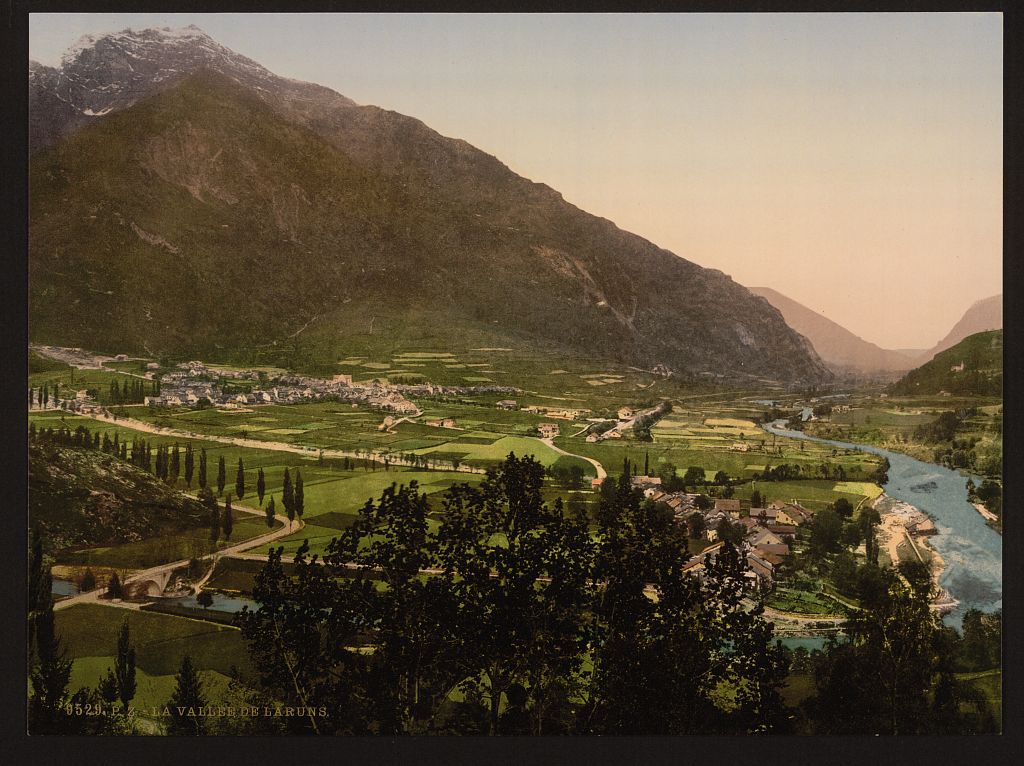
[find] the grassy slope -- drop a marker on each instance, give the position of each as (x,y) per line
(982,356)
(84,497)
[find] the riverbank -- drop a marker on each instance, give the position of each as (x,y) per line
(987,514)
(971,571)
(904,534)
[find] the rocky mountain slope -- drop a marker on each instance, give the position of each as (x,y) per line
(84,497)
(836,345)
(185,201)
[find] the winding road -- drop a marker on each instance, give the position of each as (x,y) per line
(601,473)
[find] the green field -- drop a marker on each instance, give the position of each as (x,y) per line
(801,602)
(474,453)
(90,630)
(151,690)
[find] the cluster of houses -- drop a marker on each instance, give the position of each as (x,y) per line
(559,413)
(767,531)
(613,430)
(549,430)
(193,382)
(611,433)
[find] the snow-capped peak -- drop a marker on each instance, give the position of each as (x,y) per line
(131,36)
(82,43)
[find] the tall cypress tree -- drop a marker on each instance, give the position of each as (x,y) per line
(124,666)
(226,522)
(261,485)
(202,467)
(222,475)
(206,497)
(50,672)
(114,589)
(189,465)
(299,499)
(175,471)
(288,497)
(240,480)
(270,511)
(185,702)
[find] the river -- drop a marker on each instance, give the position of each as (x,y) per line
(972,550)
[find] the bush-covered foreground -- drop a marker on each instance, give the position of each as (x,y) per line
(507,617)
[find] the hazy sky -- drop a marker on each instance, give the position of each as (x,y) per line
(850,161)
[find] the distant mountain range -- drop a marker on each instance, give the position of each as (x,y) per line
(836,345)
(186,201)
(844,352)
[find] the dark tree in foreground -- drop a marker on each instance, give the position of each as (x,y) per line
(184,705)
(205,599)
(533,629)
(124,666)
(297,640)
(50,670)
(520,573)
(895,673)
(660,632)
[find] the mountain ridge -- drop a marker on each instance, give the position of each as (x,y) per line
(837,346)
(439,231)
(982,315)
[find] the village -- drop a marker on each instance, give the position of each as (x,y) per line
(194,384)
(766,534)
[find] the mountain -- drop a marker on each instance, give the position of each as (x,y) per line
(184,201)
(986,314)
(837,346)
(974,366)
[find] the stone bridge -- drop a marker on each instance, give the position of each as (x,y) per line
(150,584)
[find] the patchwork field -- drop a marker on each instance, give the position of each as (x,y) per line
(90,631)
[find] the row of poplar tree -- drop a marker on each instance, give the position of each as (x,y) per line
(168,462)
(131,391)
